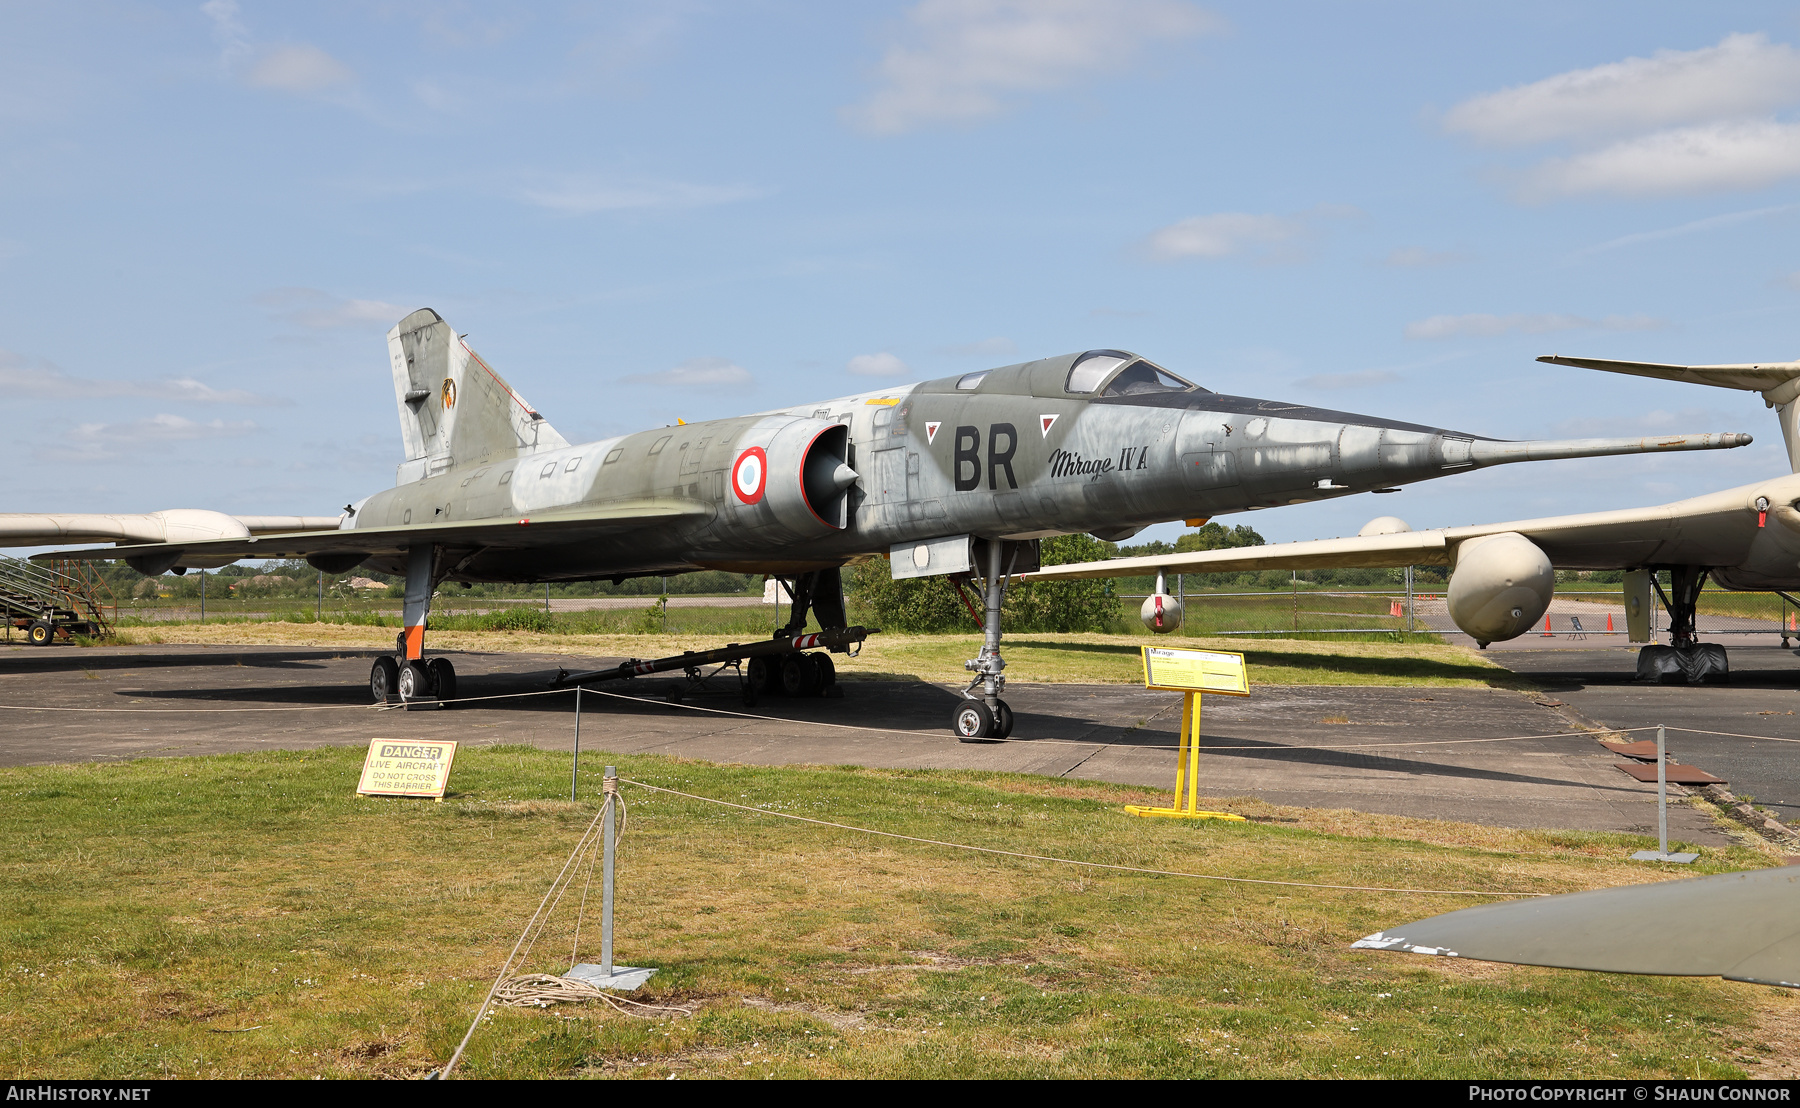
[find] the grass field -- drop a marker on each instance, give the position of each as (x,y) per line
(1029,657)
(247,915)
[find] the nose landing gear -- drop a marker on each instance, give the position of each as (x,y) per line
(983,715)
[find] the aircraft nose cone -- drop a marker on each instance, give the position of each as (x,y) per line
(843,476)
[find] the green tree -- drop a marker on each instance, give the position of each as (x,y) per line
(1064,605)
(929,605)
(921,605)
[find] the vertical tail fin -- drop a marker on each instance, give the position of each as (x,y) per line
(453,407)
(1779,383)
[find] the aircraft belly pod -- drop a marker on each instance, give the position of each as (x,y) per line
(976,468)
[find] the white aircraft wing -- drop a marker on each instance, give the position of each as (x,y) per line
(1749,376)
(182,524)
(1718,529)
(1739,926)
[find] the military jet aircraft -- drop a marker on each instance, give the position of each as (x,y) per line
(1502,575)
(489,491)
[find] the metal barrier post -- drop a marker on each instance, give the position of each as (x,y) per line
(1662,791)
(611,785)
(575,770)
(606,975)
(1661,853)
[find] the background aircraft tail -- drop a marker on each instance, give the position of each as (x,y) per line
(453,407)
(1779,383)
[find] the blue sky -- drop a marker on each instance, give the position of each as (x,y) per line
(211,213)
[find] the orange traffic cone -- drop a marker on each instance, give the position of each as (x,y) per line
(1609,621)
(1548,634)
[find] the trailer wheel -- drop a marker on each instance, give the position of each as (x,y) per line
(827,671)
(40,633)
(799,675)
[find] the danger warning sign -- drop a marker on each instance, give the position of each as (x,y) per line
(406,767)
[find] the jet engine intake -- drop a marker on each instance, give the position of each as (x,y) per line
(799,474)
(1500,586)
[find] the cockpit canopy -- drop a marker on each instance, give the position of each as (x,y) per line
(1116,373)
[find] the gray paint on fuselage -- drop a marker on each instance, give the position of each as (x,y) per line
(1102,464)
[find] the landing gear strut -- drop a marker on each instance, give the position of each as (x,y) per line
(1686,660)
(408,674)
(982,714)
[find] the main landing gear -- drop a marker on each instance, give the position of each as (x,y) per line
(982,714)
(409,675)
(1685,660)
(414,679)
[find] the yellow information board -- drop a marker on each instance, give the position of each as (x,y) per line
(1200,671)
(407,767)
(1191,672)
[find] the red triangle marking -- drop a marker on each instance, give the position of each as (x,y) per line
(1044,422)
(931,431)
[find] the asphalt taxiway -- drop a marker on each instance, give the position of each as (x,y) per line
(1482,755)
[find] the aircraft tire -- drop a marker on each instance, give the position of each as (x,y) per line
(384,679)
(1003,720)
(756,678)
(973,722)
(799,675)
(443,678)
(40,633)
(827,672)
(414,682)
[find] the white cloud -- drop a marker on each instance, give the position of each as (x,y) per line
(19,379)
(1363,379)
(321,311)
(960,61)
(1417,257)
(1744,75)
(228,30)
(1223,234)
(712,372)
(1727,219)
(1660,421)
(1483,325)
(298,68)
(876,365)
(101,442)
(586,195)
(1707,158)
(1266,237)
(1677,122)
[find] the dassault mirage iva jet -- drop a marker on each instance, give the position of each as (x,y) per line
(1503,575)
(488,491)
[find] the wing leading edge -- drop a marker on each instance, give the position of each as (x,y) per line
(1717,529)
(526,531)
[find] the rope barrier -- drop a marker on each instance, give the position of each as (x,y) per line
(1079,862)
(535,916)
(875,730)
(1144,746)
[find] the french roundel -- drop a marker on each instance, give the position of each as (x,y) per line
(749,474)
